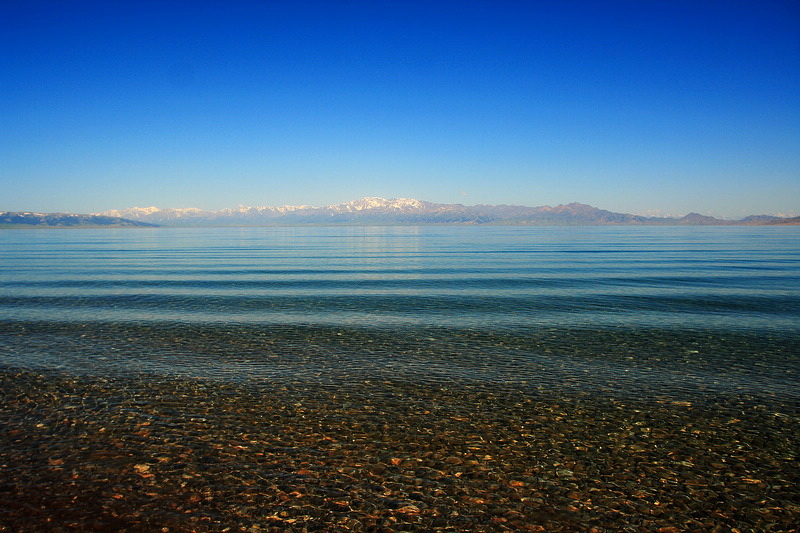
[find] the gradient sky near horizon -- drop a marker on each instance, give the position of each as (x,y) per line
(653,107)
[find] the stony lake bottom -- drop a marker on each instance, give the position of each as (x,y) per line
(400,379)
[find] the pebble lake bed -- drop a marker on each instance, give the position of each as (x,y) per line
(400,379)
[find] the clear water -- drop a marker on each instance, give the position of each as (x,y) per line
(682,312)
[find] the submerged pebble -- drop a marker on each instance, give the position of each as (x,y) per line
(145,453)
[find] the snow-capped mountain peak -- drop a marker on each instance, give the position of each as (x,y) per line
(376,210)
(266,214)
(374,202)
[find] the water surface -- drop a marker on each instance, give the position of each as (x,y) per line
(400,379)
(648,308)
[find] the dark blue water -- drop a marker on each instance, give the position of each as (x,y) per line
(677,312)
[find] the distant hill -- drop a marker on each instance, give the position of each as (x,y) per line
(10,219)
(373,210)
(794,221)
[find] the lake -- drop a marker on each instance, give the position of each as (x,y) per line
(373,370)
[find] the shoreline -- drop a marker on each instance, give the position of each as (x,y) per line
(146,454)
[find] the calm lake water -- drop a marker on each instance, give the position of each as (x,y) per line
(647,311)
(383,379)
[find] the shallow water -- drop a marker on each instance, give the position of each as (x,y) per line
(644,310)
(389,363)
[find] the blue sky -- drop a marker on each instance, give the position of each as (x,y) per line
(658,106)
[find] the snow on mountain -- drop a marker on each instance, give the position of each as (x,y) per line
(143,213)
(243,210)
(376,210)
(248,214)
(372,203)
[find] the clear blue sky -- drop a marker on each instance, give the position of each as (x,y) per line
(637,106)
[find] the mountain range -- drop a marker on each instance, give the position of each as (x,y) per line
(26,219)
(372,210)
